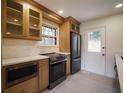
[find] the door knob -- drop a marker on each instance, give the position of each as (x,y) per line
(103,54)
(103,47)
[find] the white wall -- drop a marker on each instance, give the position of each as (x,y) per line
(114,38)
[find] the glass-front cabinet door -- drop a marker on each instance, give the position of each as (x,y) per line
(13,16)
(35,26)
(21,20)
(74,27)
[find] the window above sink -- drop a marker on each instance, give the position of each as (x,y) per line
(50,34)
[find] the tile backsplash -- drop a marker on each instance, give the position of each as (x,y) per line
(13,48)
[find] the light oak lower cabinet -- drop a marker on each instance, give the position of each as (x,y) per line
(43,74)
(68,65)
(29,86)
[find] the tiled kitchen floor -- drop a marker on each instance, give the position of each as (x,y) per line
(85,82)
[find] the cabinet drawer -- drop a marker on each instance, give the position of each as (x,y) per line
(29,86)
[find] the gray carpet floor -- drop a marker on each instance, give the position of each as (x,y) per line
(85,82)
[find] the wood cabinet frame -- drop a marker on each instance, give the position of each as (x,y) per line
(64,34)
(28,86)
(4,71)
(4,20)
(45,13)
(25,21)
(42,75)
(28,22)
(68,66)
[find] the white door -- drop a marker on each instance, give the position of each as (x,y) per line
(95,51)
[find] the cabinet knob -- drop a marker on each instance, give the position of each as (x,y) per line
(24,90)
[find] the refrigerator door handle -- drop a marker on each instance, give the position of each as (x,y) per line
(77,59)
(77,46)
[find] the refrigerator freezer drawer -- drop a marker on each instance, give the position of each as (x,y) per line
(75,65)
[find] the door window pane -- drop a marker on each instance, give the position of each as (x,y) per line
(94,41)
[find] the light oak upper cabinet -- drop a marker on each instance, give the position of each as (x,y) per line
(70,25)
(74,27)
(64,37)
(12,19)
(43,74)
(20,21)
(34,25)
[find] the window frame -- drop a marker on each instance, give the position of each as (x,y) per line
(49,36)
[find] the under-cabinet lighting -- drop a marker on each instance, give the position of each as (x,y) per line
(8,33)
(16,20)
(119,5)
(35,25)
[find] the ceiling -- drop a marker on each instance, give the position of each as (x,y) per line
(83,10)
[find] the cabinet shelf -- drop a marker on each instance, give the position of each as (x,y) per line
(16,24)
(14,9)
(34,17)
(49,36)
(34,28)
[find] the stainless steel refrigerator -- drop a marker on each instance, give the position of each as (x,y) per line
(75,52)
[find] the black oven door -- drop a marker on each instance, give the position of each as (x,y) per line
(57,70)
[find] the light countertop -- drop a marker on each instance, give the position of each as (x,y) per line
(65,53)
(12,61)
(119,63)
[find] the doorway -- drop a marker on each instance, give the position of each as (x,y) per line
(94,41)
